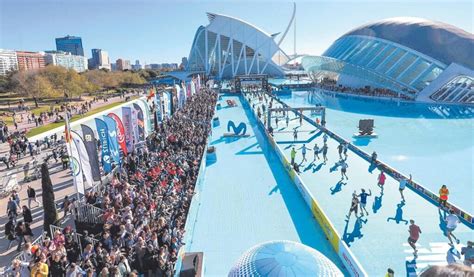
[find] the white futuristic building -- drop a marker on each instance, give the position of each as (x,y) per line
(228,47)
(422,59)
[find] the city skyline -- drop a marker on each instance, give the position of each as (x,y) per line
(142,32)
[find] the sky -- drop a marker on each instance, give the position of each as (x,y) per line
(162,31)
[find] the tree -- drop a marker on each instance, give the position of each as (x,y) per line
(50,213)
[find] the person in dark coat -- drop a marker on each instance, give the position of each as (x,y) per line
(10,232)
(58,266)
(27,217)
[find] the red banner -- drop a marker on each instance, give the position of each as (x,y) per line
(120,132)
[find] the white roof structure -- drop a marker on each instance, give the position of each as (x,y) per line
(229,46)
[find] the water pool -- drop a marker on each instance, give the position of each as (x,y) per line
(435,143)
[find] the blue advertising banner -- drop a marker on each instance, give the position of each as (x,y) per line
(104,142)
(158,107)
(113,142)
(140,122)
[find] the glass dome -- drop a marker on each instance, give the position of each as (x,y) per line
(283,258)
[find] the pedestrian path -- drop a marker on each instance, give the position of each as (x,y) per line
(247,199)
(378,240)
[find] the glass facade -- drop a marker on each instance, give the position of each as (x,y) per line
(70,44)
(459,89)
(400,67)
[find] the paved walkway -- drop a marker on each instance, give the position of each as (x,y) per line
(62,185)
(379,239)
(247,199)
(24,125)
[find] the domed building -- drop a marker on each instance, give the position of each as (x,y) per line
(419,58)
(283,259)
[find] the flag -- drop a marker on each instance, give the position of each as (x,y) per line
(151,93)
(148,119)
(193,87)
(158,107)
(105,145)
(75,165)
(185,93)
(188,89)
(165,104)
(178,95)
(198,83)
(91,147)
(113,142)
(83,158)
(74,161)
(136,138)
(127,124)
(120,133)
(140,123)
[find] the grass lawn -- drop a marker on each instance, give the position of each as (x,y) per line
(41,129)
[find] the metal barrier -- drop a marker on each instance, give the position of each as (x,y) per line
(39,240)
(88,214)
(76,237)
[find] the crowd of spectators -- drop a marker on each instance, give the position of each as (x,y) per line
(144,207)
(331,85)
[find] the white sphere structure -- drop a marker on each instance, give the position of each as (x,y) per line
(283,258)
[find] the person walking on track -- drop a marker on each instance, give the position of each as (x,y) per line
(293,155)
(415,232)
(452,221)
(316,152)
(31,196)
(325,152)
(363,201)
(354,205)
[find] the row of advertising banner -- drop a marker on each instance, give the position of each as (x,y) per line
(118,136)
(168,100)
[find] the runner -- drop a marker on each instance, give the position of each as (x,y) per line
(468,253)
(301,117)
(452,221)
(295,134)
(293,155)
(276,121)
(373,158)
(415,232)
(325,137)
(363,201)
(345,146)
(344,167)
(339,150)
(381,180)
(316,152)
(325,152)
(390,273)
(354,205)
(287,119)
(403,184)
(443,197)
(303,151)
